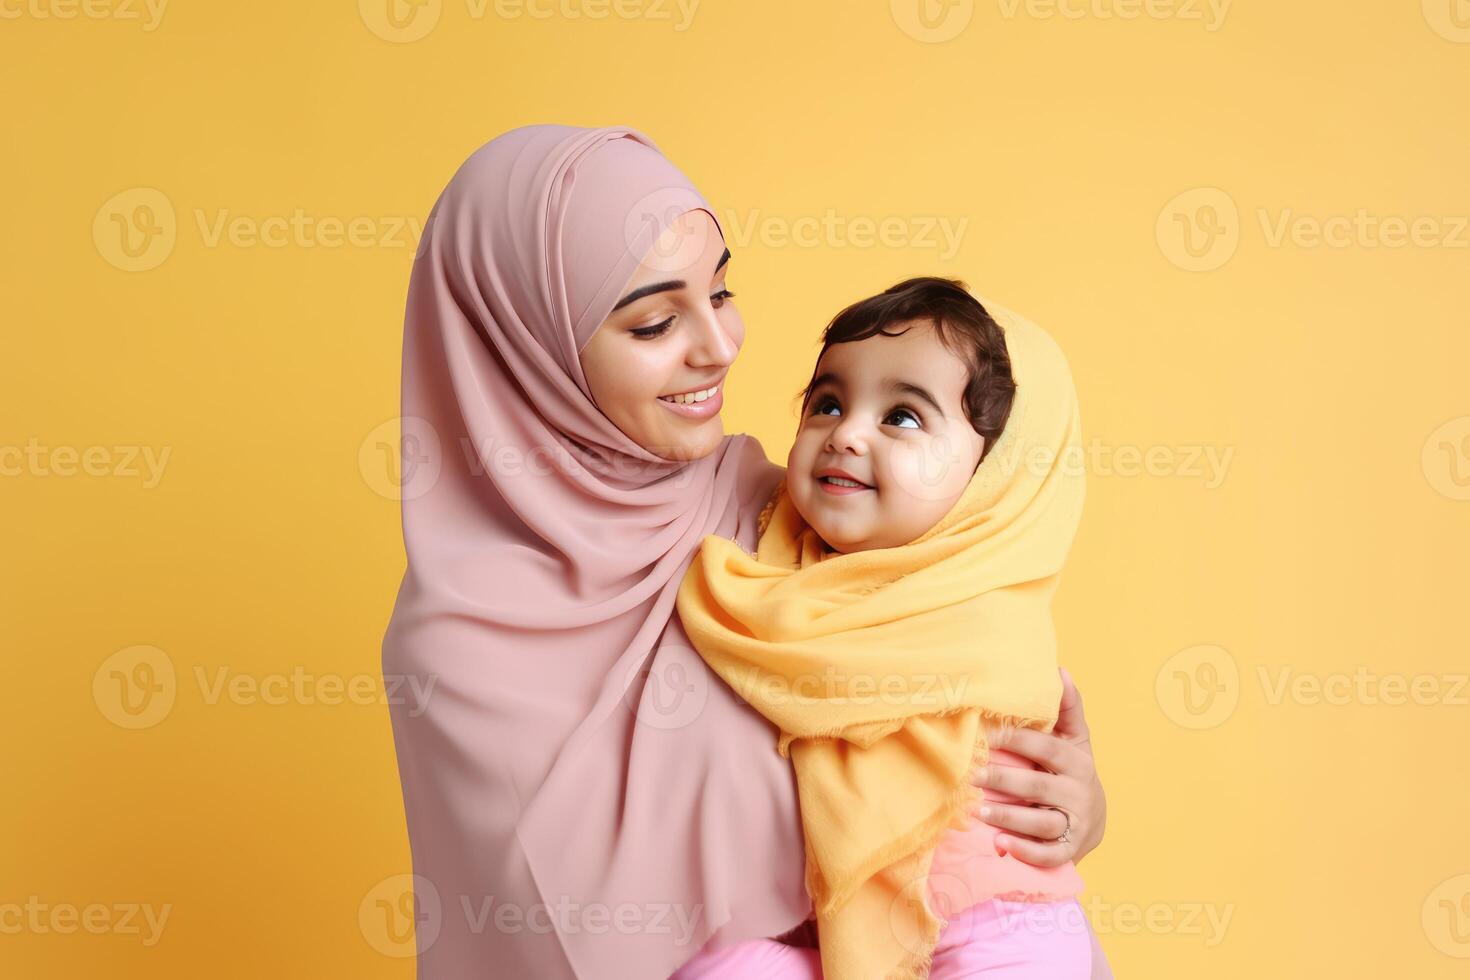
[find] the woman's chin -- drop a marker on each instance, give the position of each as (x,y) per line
(690,441)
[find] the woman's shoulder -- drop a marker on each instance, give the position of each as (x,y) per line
(757,482)
(759,477)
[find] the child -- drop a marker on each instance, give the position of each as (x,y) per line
(898,610)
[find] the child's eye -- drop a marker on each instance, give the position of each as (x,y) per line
(826,405)
(718,299)
(654,330)
(902,418)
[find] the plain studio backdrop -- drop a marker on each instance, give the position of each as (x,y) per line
(1246,224)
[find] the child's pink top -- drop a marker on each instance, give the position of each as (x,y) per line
(967,871)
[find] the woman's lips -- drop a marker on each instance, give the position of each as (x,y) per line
(713,400)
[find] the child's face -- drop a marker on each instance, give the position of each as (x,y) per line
(888,414)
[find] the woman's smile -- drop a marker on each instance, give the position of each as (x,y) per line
(699,403)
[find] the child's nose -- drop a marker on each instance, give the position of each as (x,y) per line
(848,436)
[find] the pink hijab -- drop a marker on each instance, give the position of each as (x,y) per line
(584,797)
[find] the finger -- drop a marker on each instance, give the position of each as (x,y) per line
(1048,750)
(1042,824)
(1071,722)
(1027,784)
(1038,853)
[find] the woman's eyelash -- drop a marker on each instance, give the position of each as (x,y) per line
(655,330)
(658,329)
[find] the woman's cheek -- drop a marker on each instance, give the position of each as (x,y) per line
(651,370)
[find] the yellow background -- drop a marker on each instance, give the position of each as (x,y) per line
(1329,838)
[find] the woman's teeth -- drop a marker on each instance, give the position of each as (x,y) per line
(690,397)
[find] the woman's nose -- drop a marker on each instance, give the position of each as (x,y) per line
(712,345)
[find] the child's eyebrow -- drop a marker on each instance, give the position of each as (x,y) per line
(908,387)
(893,384)
(827,378)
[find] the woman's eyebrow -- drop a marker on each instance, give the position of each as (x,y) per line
(662,287)
(649,290)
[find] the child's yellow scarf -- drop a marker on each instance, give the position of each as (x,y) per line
(881,667)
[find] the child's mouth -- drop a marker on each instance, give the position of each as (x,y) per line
(839,484)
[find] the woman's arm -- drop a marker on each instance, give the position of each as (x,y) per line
(1069,782)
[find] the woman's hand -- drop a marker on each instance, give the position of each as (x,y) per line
(1070,782)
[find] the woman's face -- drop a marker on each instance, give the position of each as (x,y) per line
(656,366)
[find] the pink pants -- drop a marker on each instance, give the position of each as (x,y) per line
(995,940)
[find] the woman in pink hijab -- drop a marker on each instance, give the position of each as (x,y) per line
(584,798)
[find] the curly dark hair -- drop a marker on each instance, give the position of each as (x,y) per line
(963,325)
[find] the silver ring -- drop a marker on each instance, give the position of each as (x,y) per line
(1065,837)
